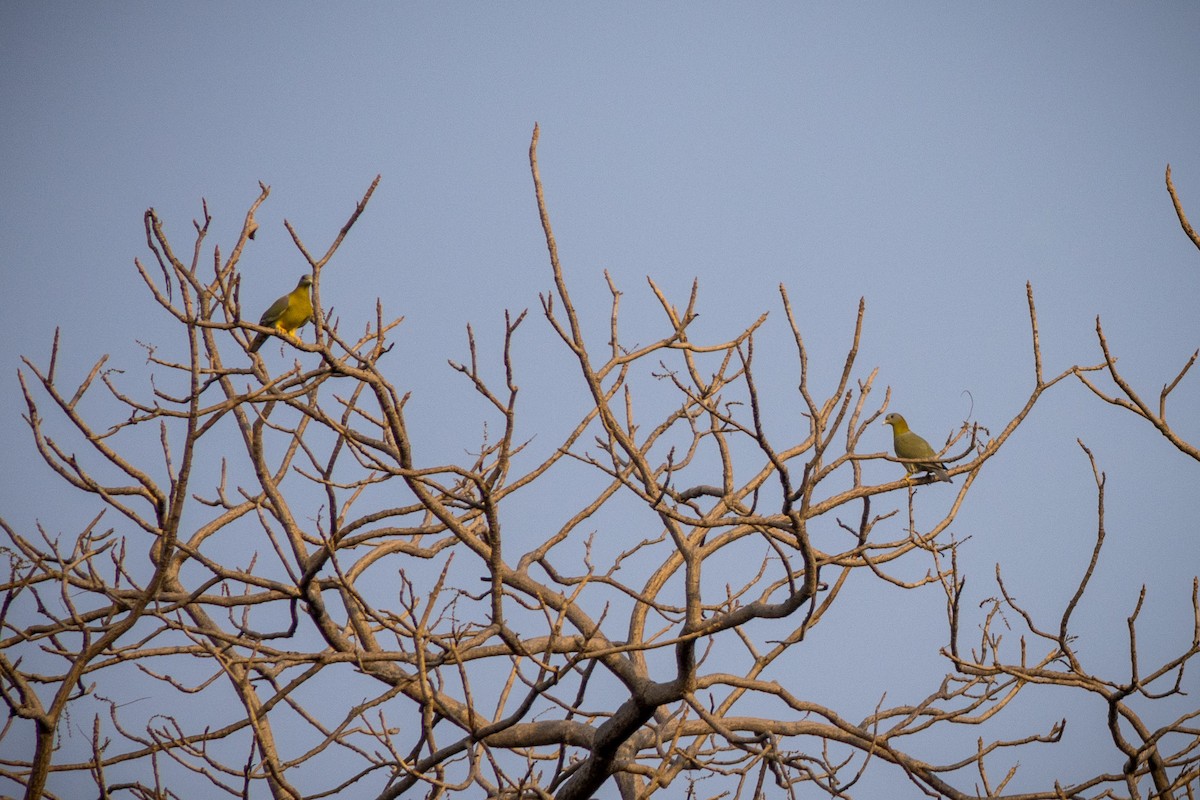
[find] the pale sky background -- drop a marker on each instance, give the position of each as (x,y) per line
(931,158)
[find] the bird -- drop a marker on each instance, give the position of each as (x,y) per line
(287,314)
(908,445)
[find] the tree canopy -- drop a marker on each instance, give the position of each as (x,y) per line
(308,604)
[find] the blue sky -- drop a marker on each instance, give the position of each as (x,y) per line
(929,157)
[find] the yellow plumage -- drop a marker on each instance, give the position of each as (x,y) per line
(908,445)
(287,314)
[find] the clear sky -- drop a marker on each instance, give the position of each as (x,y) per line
(930,157)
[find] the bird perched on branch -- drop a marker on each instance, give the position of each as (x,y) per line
(908,445)
(287,314)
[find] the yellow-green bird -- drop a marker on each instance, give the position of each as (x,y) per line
(287,314)
(909,445)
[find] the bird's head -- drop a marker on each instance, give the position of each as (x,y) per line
(305,281)
(897,422)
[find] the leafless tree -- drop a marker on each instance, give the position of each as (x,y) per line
(308,606)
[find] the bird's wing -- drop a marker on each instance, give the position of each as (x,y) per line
(272,314)
(910,445)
